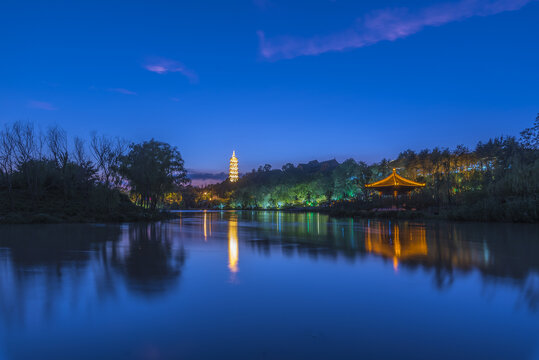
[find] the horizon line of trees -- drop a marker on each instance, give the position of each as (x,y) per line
(44,170)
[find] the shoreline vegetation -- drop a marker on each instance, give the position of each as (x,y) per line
(46,178)
(496,181)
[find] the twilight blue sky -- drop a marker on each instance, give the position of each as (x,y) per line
(276,80)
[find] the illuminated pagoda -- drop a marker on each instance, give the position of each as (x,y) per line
(233,174)
(394,185)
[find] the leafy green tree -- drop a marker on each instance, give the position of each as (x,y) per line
(152,170)
(347,181)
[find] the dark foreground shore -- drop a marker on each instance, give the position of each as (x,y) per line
(56,218)
(54,210)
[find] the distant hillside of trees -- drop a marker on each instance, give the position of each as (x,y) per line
(498,180)
(44,177)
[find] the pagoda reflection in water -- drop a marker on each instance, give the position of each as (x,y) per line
(233,251)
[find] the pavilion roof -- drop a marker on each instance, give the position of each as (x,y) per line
(394,181)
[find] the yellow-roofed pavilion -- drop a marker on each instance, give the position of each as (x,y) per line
(394,185)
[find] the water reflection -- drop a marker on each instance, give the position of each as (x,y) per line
(322,287)
(500,252)
(233,251)
(39,264)
(151,264)
(389,240)
(205,232)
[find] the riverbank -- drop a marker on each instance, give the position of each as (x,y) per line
(516,210)
(117,209)
(510,210)
(126,211)
(57,218)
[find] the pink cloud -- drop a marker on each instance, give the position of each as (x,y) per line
(41,105)
(381,25)
(123,91)
(163,66)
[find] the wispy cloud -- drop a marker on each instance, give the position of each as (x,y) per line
(123,91)
(41,105)
(203,178)
(195,175)
(380,25)
(163,66)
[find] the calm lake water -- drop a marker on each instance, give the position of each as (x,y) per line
(269,285)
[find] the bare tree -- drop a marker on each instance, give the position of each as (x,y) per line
(57,143)
(7,159)
(24,140)
(107,153)
(79,152)
(27,151)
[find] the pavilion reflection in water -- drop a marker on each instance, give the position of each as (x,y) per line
(397,242)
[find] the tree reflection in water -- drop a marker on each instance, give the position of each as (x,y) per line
(151,264)
(41,263)
(116,287)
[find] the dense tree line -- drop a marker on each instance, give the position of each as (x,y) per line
(497,180)
(45,177)
(308,184)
